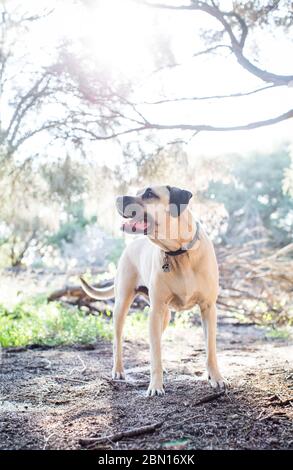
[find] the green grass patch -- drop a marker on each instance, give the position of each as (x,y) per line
(35,321)
(281,333)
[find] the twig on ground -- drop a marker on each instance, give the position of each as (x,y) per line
(286,402)
(276,400)
(274,413)
(93,441)
(46,439)
(75,369)
(116,382)
(201,401)
(70,379)
(209,398)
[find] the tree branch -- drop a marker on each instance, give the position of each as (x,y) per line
(236,45)
(190,127)
(45,127)
(196,54)
(211,97)
(23,99)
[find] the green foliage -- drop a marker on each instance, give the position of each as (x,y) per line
(37,322)
(116,252)
(137,325)
(278,333)
(76,223)
(256,191)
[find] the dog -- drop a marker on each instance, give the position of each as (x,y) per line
(173,264)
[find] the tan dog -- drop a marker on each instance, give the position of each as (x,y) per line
(174,264)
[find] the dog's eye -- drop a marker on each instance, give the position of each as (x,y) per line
(148,194)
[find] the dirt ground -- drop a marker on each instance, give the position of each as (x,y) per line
(52,398)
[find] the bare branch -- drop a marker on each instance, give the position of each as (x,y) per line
(236,45)
(45,127)
(191,127)
(22,101)
(19,117)
(196,54)
(211,97)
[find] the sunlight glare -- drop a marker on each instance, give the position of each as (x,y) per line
(119,34)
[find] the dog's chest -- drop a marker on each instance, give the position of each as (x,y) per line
(183,302)
(185,293)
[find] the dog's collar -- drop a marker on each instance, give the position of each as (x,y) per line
(186,247)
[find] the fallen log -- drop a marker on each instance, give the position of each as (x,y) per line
(76,291)
(253,281)
(74,295)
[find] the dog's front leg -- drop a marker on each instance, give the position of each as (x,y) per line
(209,323)
(120,310)
(156,323)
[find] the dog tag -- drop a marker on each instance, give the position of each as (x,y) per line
(166,266)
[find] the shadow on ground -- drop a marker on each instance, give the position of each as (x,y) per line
(53,398)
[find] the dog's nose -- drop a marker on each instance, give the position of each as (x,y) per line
(122,202)
(119,204)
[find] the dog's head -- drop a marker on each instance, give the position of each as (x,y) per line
(152,210)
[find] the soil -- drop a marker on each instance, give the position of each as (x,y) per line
(52,398)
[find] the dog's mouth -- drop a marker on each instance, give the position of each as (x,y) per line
(138,224)
(136,219)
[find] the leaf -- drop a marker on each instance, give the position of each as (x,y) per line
(177,444)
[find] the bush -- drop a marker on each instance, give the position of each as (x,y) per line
(38,322)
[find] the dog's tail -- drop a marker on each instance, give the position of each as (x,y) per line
(99,294)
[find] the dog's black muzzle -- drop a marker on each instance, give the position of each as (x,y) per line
(128,206)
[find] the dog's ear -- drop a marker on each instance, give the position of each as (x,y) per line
(179,199)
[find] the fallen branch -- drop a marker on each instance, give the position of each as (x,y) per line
(74,295)
(93,441)
(278,401)
(271,415)
(285,402)
(76,291)
(254,279)
(70,379)
(116,382)
(209,398)
(201,401)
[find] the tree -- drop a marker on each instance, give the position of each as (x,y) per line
(25,213)
(22,98)
(57,98)
(256,197)
(231,32)
(91,104)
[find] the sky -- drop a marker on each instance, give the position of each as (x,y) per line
(124,38)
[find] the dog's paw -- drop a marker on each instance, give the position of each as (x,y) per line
(217,382)
(118,375)
(153,391)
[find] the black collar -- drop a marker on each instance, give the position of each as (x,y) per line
(186,247)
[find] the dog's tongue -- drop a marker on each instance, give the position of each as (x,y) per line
(135,225)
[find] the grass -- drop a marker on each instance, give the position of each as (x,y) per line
(279,333)
(35,321)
